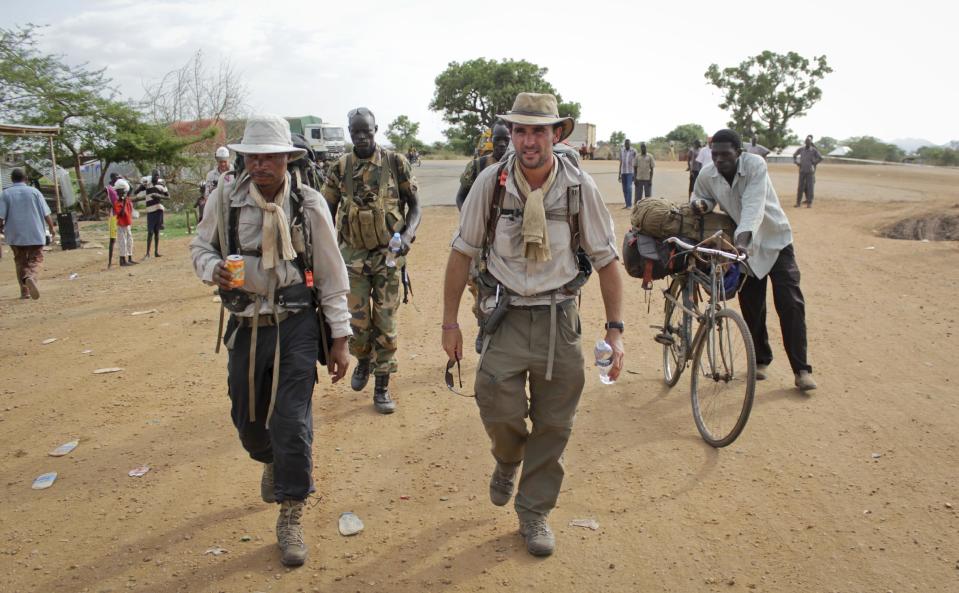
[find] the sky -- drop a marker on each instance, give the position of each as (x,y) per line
(634,66)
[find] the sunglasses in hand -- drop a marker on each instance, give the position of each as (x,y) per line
(449,378)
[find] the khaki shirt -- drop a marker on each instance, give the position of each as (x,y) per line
(645,163)
(329,270)
(507,261)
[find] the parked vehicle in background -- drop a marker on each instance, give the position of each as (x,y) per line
(583,139)
(327,140)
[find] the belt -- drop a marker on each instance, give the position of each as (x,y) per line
(264,321)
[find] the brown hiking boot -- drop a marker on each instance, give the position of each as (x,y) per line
(540,540)
(267,489)
(501,484)
(32,289)
(289,532)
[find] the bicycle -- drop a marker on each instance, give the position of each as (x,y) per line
(723,376)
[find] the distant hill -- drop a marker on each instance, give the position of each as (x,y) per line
(912,144)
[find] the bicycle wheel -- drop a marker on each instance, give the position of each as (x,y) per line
(673,337)
(723,380)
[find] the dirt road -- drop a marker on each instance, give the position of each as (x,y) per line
(852,488)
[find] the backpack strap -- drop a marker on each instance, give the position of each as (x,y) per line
(347,175)
(495,210)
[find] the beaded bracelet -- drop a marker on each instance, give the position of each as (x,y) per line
(449,326)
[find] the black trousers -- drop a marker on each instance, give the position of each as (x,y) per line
(692,180)
(288,442)
(790,306)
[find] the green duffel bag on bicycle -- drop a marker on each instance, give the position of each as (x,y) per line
(661,218)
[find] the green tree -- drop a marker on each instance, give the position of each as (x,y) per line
(826,144)
(472,93)
(402,133)
(874,149)
(765,92)
(617,138)
(939,155)
(684,135)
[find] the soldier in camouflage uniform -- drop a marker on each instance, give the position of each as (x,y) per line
(372,194)
(475,167)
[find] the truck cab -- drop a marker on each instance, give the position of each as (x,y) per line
(327,140)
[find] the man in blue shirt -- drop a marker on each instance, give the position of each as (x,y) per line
(22,214)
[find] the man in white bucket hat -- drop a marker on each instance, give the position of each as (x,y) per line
(222,156)
(537,223)
(287,241)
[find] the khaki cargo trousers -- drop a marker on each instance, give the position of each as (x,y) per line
(517,353)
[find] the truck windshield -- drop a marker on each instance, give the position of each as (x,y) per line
(333,133)
(315,134)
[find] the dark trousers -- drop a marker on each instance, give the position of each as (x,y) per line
(644,189)
(807,183)
(288,442)
(790,307)
(26,261)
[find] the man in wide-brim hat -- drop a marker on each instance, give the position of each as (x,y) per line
(526,220)
(287,241)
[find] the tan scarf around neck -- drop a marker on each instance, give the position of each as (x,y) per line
(276,226)
(535,235)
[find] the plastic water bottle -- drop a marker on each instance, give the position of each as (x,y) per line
(396,243)
(604,360)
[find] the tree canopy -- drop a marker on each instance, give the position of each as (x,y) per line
(617,138)
(402,133)
(765,92)
(472,93)
(685,134)
(872,148)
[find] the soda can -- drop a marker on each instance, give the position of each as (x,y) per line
(234,263)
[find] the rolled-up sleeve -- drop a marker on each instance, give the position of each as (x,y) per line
(331,277)
(205,255)
(597,235)
(468,239)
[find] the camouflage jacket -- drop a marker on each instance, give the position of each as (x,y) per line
(473,169)
(366,186)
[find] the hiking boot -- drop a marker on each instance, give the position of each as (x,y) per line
(361,375)
(382,401)
(32,289)
(761,372)
(501,484)
(804,381)
(267,488)
(289,533)
(540,540)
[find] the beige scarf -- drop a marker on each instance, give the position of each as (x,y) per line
(275,223)
(535,234)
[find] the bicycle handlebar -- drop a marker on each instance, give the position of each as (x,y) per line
(706,250)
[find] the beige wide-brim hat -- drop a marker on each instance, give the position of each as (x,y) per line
(267,134)
(538,109)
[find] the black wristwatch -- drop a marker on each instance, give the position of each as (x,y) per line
(616,325)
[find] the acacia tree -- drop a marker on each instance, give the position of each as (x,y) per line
(471,94)
(40,89)
(765,92)
(402,133)
(685,134)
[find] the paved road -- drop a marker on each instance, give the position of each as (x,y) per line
(439,181)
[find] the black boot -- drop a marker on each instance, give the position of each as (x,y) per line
(382,401)
(361,375)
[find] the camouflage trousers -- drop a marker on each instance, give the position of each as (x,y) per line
(373,301)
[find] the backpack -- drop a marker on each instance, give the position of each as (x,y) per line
(649,258)
(660,218)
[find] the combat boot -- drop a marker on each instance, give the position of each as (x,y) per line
(501,484)
(540,540)
(289,532)
(267,488)
(361,375)
(382,401)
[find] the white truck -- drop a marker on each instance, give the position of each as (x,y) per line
(327,140)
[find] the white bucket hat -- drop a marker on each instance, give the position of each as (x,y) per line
(267,134)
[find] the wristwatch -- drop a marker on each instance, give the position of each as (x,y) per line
(616,325)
